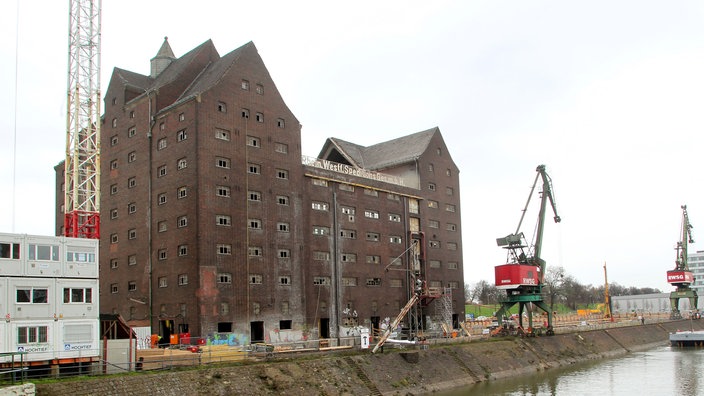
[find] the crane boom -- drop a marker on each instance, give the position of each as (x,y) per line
(522,277)
(82,163)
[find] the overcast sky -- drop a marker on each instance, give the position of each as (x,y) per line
(608,95)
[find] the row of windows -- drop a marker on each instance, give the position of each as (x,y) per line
(448,190)
(39,295)
(431,167)
(39,252)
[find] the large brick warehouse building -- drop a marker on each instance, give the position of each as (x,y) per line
(213,221)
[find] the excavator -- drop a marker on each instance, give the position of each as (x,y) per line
(681,277)
(522,276)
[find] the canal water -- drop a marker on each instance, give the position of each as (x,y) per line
(660,371)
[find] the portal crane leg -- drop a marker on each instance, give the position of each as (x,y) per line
(506,306)
(675,297)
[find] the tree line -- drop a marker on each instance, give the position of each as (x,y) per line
(558,288)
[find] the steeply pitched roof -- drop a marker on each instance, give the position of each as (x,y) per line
(382,155)
(215,71)
(165,50)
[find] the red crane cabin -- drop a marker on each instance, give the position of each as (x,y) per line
(513,276)
(680,277)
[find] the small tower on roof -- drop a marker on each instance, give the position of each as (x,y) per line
(162,59)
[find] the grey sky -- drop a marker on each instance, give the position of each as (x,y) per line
(608,95)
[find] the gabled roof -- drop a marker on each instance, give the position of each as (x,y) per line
(174,70)
(215,71)
(132,79)
(382,155)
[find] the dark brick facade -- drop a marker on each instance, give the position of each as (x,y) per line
(207,212)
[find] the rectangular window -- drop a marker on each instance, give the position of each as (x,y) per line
(321,230)
(260,89)
(132,259)
(113,213)
(43,252)
(113,288)
(32,335)
(434,244)
(182,221)
(433,224)
(221,162)
(131,182)
(395,239)
(347,210)
(223,220)
(284,253)
(372,214)
(282,200)
(348,258)
(255,251)
(255,196)
(282,174)
(372,193)
(161,144)
(319,182)
(349,281)
(395,283)
(113,140)
(182,192)
(161,171)
(451,246)
(260,117)
(162,254)
(222,134)
(321,280)
(255,279)
(113,263)
(113,189)
(451,227)
(131,132)
(432,204)
(132,286)
(452,266)
(182,279)
(253,141)
(431,186)
(285,280)
(131,208)
(222,191)
(132,156)
(245,85)
(373,236)
(395,217)
(245,113)
(434,263)
(350,234)
(255,224)
(224,277)
(222,107)
(162,226)
(373,259)
(393,197)
(113,238)
(413,205)
(161,198)
(183,250)
(131,234)
(280,123)
(450,208)
(346,187)
(319,206)
(283,227)
(32,295)
(224,249)
(182,163)
(254,169)
(321,256)
(373,281)
(449,191)
(281,148)
(162,282)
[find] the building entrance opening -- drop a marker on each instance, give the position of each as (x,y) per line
(167,329)
(324,329)
(224,327)
(375,320)
(256,330)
